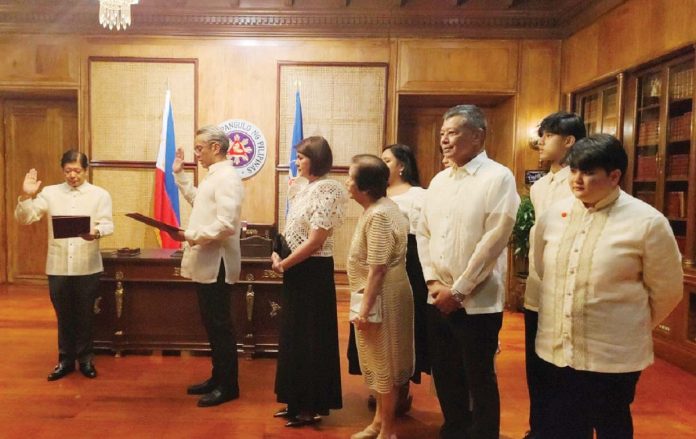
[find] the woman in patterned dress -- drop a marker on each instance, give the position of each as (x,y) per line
(308,375)
(405,190)
(377,267)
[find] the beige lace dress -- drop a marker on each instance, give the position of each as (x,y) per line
(385,350)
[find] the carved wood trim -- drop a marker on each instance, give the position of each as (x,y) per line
(507,20)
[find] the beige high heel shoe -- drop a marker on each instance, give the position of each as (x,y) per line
(368,433)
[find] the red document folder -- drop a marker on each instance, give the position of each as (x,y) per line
(66,226)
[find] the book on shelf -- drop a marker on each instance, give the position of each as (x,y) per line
(675,207)
(646,167)
(649,132)
(680,127)
(681,84)
(678,166)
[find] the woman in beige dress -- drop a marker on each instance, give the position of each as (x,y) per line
(377,267)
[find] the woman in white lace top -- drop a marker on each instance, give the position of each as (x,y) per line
(308,376)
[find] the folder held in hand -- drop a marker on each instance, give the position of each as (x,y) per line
(68,226)
(153,222)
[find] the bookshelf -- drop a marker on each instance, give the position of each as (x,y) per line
(661,145)
(600,108)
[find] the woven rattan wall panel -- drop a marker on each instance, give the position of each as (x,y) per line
(345,104)
(126,102)
(132,190)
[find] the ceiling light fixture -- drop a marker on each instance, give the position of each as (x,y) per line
(115,13)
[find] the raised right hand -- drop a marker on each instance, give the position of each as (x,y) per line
(31,185)
(178,164)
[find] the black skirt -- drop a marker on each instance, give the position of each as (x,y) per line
(420,321)
(308,375)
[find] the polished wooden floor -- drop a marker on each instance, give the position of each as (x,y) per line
(140,396)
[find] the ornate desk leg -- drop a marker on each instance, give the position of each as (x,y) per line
(119,294)
(249,344)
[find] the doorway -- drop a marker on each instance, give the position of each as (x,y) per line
(36,131)
(420,119)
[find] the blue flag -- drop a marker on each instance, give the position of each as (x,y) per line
(297,135)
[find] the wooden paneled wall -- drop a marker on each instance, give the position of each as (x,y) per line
(633,33)
(237,79)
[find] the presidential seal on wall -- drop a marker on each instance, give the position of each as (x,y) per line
(247,146)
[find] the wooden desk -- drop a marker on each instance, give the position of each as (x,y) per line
(144,304)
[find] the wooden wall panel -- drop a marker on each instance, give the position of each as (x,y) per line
(631,34)
(39,60)
(455,66)
(539,77)
(237,80)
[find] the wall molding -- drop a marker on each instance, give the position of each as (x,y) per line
(511,22)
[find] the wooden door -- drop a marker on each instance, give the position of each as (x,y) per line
(37,132)
(419,128)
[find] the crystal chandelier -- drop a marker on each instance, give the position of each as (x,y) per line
(115,13)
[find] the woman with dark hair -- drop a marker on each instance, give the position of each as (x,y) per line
(73,265)
(377,270)
(404,189)
(308,375)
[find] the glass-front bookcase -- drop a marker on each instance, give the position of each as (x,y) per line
(661,146)
(600,108)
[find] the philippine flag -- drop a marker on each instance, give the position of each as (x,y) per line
(166,192)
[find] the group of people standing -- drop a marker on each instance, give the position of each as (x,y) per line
(605,269)
(434,262)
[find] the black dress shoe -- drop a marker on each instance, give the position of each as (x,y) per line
(206,386)
(283,413)
(297,421)
(217,397)
(61,370)
(88,369)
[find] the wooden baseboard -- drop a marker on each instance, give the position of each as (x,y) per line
(676,353)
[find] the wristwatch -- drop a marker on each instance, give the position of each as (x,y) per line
(459,297)
(97,234)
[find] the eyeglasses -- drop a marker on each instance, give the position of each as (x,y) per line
(198,148)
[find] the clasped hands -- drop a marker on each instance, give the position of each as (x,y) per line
(275,263)
(360,322)
(442,296)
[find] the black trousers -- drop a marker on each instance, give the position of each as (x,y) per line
(535,371)
(462,351)
(581,401)
(73,301)
(214,303)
